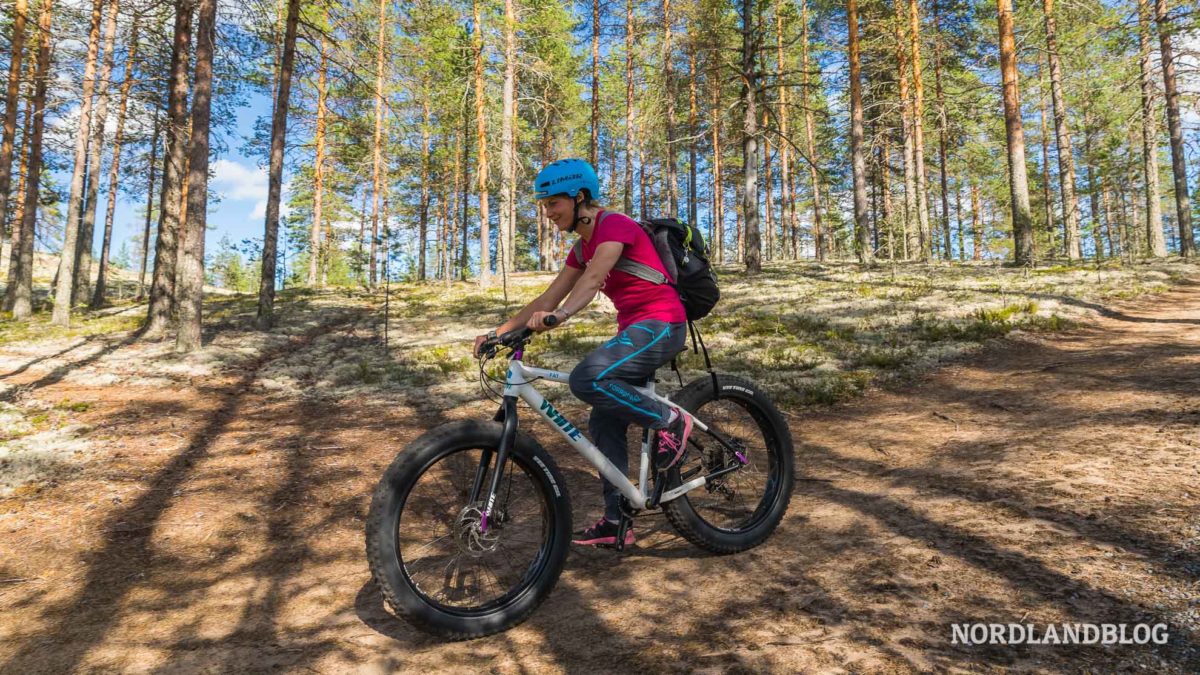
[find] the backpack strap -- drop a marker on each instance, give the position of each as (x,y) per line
(632,267)
(577,249)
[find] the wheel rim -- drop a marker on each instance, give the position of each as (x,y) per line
(740,500)
(445,557)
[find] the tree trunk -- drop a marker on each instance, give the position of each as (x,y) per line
(279,115)
(1183,208)
(506,240)
(1043,137)
(669,92)
(191,259)
(464,260)
(822,244)
(162,286)
(947,248)
(18,215)
(1154,229)
(377,167)
(481,132)
(912,230)
(149,205)
(66,260)
(1113,232)
(785,175)
(1018,180)
(885,179)
(87,227)
(693,118)
(1066,162)
(12,97)
(976,225)
(20,292)
(958,218)
(918,116)
(317,254)
(629,107)
(717,235)
(768,199)
(750,139)
(115,167)
(594,148)
(423,206)
(866,255)
(1093,190)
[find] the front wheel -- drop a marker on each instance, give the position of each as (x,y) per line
(740,509)
(437,567)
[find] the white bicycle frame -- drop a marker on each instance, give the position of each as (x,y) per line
(519,382)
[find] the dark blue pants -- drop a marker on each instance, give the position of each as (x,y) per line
(603,379)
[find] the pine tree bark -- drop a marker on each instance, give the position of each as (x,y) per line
(866,255)
(912,230)
(669,92)
(717,235)
(822,244)
(18,200)
(753,250)
(115,166)
(948,252)
(958,218)
(976,225)
(693,117)
(61,316)
(1044,141)
(11,98)
(918,117)
(1183,208)
(629,107)
(318,254)
(377,168)
(507,160)
(786,203)
(1154,229)
(191,260)
(1093,189)
(1018,180)
(482,160)
(87,228)
(162,285)
(594,148)
(279,119)
(1066,161)
(885,179)
(149,204)
(19,293)
(423,205)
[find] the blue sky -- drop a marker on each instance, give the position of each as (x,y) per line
(240,185)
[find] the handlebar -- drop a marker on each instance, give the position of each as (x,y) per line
(515,339)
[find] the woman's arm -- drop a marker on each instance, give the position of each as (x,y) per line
(547,301)
(585,289)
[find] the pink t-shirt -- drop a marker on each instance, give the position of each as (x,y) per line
(635,299)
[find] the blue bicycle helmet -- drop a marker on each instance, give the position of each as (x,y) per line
(566,176)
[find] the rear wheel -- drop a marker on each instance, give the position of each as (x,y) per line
(740,509)
(437,567)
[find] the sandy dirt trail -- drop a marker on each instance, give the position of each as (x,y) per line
(218,528)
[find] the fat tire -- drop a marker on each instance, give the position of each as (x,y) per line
(387,504)
(683,517)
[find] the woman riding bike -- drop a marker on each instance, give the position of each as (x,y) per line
(651,325)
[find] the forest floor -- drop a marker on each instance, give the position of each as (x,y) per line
(974,445)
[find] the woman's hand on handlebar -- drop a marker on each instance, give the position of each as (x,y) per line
(542,321)
(480,341)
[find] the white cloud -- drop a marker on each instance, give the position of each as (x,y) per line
(238,181)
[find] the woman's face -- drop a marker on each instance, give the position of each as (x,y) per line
(560,210)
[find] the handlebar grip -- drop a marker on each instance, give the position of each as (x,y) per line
(550,320)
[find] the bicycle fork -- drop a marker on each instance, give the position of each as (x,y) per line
(508,415)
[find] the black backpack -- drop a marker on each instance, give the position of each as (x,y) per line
(685,257)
